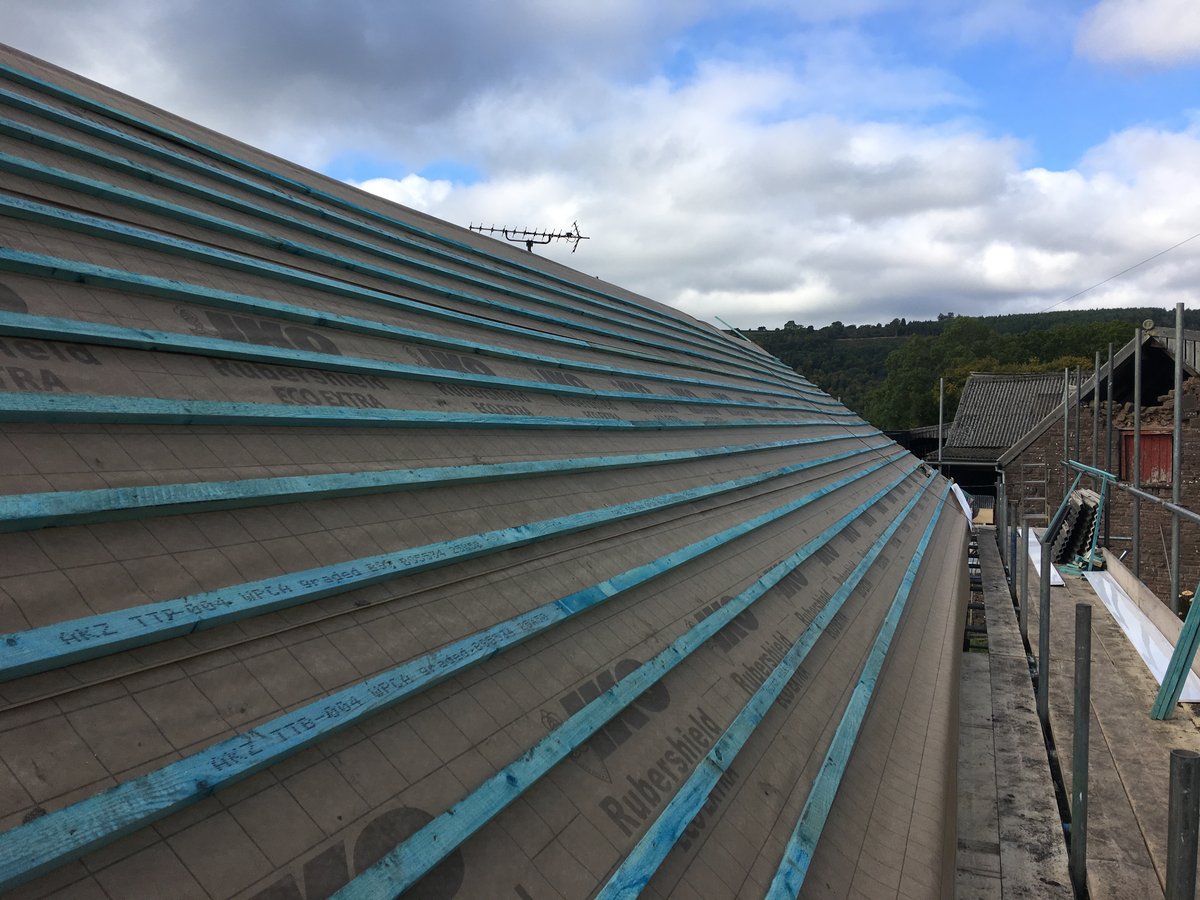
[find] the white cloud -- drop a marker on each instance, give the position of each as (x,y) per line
(692,197)
(1156,32)
(820,178)
(411,190)
(1037,24)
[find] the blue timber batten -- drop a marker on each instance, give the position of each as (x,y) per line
(403,866)
(68,834)
(93,127)
(797,857)
(635,872)
(48,328)
(21,512)
(344,549)
(20,207)
(87,273)
(46,407)
(104,191)
(86,638)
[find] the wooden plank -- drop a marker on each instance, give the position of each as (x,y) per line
(1129,754)
(1033,852)
(640,864)
(977,866)
(400,868)
(51,840)
(23,512)
(53,646)
(83,272)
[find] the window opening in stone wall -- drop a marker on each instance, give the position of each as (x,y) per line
(1156,457)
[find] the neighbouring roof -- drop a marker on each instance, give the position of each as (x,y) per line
(1166,339)
(996,410)
(342,546)
(1123,365)
(924,432)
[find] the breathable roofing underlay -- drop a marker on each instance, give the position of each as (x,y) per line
(347,550)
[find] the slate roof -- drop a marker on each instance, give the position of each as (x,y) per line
(1162,340)
(996,410)
(344,548)
(925,431)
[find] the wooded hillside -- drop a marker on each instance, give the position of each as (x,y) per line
(889,373)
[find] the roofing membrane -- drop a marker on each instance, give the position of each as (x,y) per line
(344,550)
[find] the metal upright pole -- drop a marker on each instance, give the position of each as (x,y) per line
(1010,518)
(1108,394)
(1023,612)
(1079,400)
(1003,535)
(999,516)
(1176,456)
(941,417)
(996,515)
(1066,425)
(1008,560)
(1183,824)
(1096,415)
(1043,663)
(1079,744)
(1137,452)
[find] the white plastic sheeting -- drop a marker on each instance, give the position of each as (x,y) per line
(1151,643)
(1035,557)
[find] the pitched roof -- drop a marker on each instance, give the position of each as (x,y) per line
(329,530)
(995,410)
(1122,362)
(925,432)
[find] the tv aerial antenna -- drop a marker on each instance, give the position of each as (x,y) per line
(530,237)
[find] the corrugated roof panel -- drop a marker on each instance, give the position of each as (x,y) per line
(342,549)
(996,410)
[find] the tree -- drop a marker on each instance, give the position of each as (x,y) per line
(889,374)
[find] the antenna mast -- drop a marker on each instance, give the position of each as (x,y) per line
(529,238)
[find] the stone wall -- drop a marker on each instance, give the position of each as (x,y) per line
(1024,480)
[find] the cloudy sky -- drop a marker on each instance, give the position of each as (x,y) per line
(761,160)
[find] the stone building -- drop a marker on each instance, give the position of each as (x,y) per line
(1034,470)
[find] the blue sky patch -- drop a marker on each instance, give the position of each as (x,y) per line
(357,165)
(458,173)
